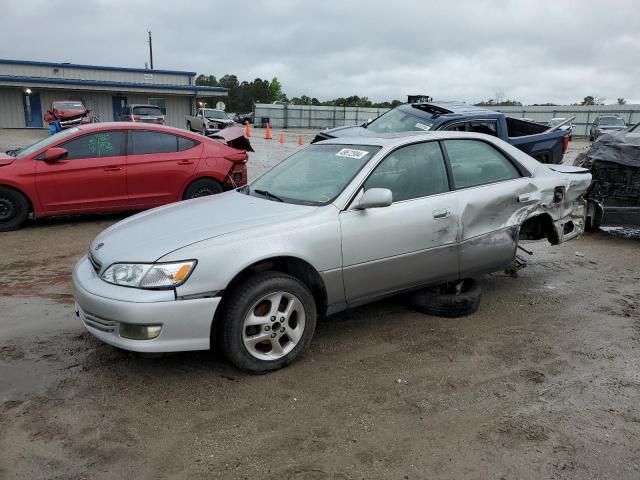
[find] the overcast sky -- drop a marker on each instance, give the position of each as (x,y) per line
(531,50)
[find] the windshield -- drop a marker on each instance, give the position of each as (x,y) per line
(611,122)
(68,105)
(215,114)
(635,129)
(154,111)
(25,152)
(313,176)
(397,120)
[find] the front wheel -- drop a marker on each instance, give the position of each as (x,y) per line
(189,127)
(267,322)
(14,209)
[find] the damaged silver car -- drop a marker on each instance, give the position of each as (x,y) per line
(338,224)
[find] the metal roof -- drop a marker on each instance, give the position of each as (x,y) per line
(100,83)
(94,67)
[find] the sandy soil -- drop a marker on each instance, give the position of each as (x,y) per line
(542,382)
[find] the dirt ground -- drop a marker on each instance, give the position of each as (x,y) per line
(541,382)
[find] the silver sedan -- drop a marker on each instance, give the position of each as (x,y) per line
(337,224)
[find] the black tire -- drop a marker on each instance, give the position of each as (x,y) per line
(14,209)
(442,302)
(245,297)
(594,220)
(202,188)
(591,139)
(189,127)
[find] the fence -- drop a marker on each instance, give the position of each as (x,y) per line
(314,117)
(308,116)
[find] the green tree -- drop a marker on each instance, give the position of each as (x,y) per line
(622,101)
(275,90)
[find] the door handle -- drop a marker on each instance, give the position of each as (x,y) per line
(441,213)
(112,169)
(185,162)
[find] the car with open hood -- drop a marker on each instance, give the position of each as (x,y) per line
(337,224)
(68,113)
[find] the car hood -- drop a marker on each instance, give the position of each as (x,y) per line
(149,235)
(612,127)
(68,113)
(6,159)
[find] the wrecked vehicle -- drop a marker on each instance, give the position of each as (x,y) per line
(208,120)
(604,124)
(68,113)
(338,224)
(545,144)
(614,194)
(112,167)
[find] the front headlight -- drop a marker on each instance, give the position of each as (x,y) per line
(149,275)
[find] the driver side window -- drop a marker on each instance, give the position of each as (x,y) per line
(413,171)
(93,145)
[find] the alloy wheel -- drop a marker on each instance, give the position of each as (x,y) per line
(273,326)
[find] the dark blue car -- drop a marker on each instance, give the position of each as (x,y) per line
(545,144)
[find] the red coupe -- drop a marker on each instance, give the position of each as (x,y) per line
(109,167)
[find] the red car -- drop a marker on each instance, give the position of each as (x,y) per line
(108,167)
(68,112)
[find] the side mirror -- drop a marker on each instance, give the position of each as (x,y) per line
(375,198)
(54,153)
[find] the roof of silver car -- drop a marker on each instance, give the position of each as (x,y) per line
(400,138)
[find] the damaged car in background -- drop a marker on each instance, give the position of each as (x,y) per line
(338,224)
(68,113)
(546,144)
(614,194)
(208,120)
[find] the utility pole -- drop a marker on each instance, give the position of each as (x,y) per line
(150,50)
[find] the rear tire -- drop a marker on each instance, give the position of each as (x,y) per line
(442,302)
(14,209)
(267,322)
(202,188)
(189,127)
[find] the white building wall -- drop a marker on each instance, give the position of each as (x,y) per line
(11,108)
(149,77)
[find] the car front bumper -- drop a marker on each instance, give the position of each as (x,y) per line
(103,308)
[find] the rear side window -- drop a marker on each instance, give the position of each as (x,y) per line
(145,141)
(102,144)
(488,127)
(413,171)
(477,163)
(186,143)
(152,111)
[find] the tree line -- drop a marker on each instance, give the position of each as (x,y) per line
(242,95)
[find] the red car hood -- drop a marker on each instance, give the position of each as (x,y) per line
(64,114)
(6,159)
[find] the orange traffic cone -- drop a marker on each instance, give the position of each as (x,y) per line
(247,129)
(281,138)
(300,142)
(267,134)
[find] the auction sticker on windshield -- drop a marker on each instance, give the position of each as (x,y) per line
(351,153)
(422,126)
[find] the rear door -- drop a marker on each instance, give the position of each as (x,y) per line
(412,241)
(92,177)
(491,189)
(159,164)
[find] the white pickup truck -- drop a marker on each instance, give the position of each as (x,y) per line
(208,120)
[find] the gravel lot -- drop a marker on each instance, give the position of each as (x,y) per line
(542,382)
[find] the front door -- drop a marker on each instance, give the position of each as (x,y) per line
(118,102)
(32,110)
(92,177)
(411,242)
